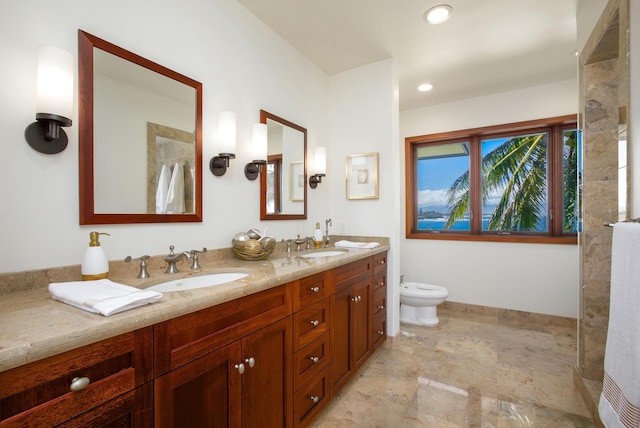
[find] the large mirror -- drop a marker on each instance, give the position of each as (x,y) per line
(140,138)
(283,189)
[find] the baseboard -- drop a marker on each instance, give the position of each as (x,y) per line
(511,315)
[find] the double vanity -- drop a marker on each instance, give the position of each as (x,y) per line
(270,347)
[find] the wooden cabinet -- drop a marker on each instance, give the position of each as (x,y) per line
(270,359)
(100,384)
(379,300)
(311,321)
(243,384)
(227,366)
(350,321)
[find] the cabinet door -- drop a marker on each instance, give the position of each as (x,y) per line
(267,382)
(361,323)
(204,393)
(341,337)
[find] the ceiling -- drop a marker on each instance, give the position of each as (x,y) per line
(487,46)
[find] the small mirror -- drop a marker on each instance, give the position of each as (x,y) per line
(140,138)
(283,190)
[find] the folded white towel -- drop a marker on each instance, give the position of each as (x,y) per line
(351,244)
(102,296)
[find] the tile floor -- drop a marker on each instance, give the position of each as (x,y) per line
(472,370)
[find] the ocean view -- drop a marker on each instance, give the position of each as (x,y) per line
(438,224)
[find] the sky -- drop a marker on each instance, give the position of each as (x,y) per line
(435,176)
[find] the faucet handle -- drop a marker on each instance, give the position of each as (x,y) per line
(143,265)
(195,264)
(171,248)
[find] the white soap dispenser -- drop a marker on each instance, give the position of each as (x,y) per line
(95,264)
(317,234)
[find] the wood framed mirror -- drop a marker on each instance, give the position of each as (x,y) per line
(283,188)
(140,138)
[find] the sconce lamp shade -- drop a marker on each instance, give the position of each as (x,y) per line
(320,160)
(227,132)
(55,82)
(54,100)
(319,166)
(259,140)
(259,149)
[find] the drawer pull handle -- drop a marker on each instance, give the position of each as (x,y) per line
(79,383)
(240,368)
(381,262)
(315,360)
(380,332)
(380,306)
(315,289)
(315,323)
(251,361)
(315,398)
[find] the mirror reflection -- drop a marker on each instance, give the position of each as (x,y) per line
(140,138)
(283,190)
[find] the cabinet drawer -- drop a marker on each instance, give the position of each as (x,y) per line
(310,290)
(379,331)
(352,272)
(310,323)
(380,302)
(310,360)
(311,398)
(379,281)
(379,263)
(39,394)
(183,339)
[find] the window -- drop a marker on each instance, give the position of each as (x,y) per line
(515,182)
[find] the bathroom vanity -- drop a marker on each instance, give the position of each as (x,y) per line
(268,350)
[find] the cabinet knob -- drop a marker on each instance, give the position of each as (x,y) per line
(79,383)
(380,306)
(315,360)
(380,332)
(381,262)
(315,398)
(251,361)
(315,323)
(315,289)
(240,368)
(381,283)
(359,298)
(356,299)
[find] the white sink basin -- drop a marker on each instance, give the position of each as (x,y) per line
(327,253)
(200,281)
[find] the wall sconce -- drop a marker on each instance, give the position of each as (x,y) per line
(320,166)
(54,101)
(227,138)
(259,147)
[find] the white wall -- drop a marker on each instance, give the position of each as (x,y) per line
(244,67)
(529,277)
(364,119)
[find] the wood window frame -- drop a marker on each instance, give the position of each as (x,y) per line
(555,235)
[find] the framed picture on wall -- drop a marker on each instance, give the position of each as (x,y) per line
(296,181)
(362,176)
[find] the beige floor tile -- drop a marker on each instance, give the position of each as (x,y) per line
(473,370)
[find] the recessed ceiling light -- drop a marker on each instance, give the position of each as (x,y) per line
(425,87)
(438,14)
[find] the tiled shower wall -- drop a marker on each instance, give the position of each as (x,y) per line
(604,95)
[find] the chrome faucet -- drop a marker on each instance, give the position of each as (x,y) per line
(327,223)
(143,273)
(173,258)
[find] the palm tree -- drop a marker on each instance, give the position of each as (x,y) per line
(517,171)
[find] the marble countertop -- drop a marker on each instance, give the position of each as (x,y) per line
(34,326)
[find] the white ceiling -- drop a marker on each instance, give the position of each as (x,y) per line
(487,46)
